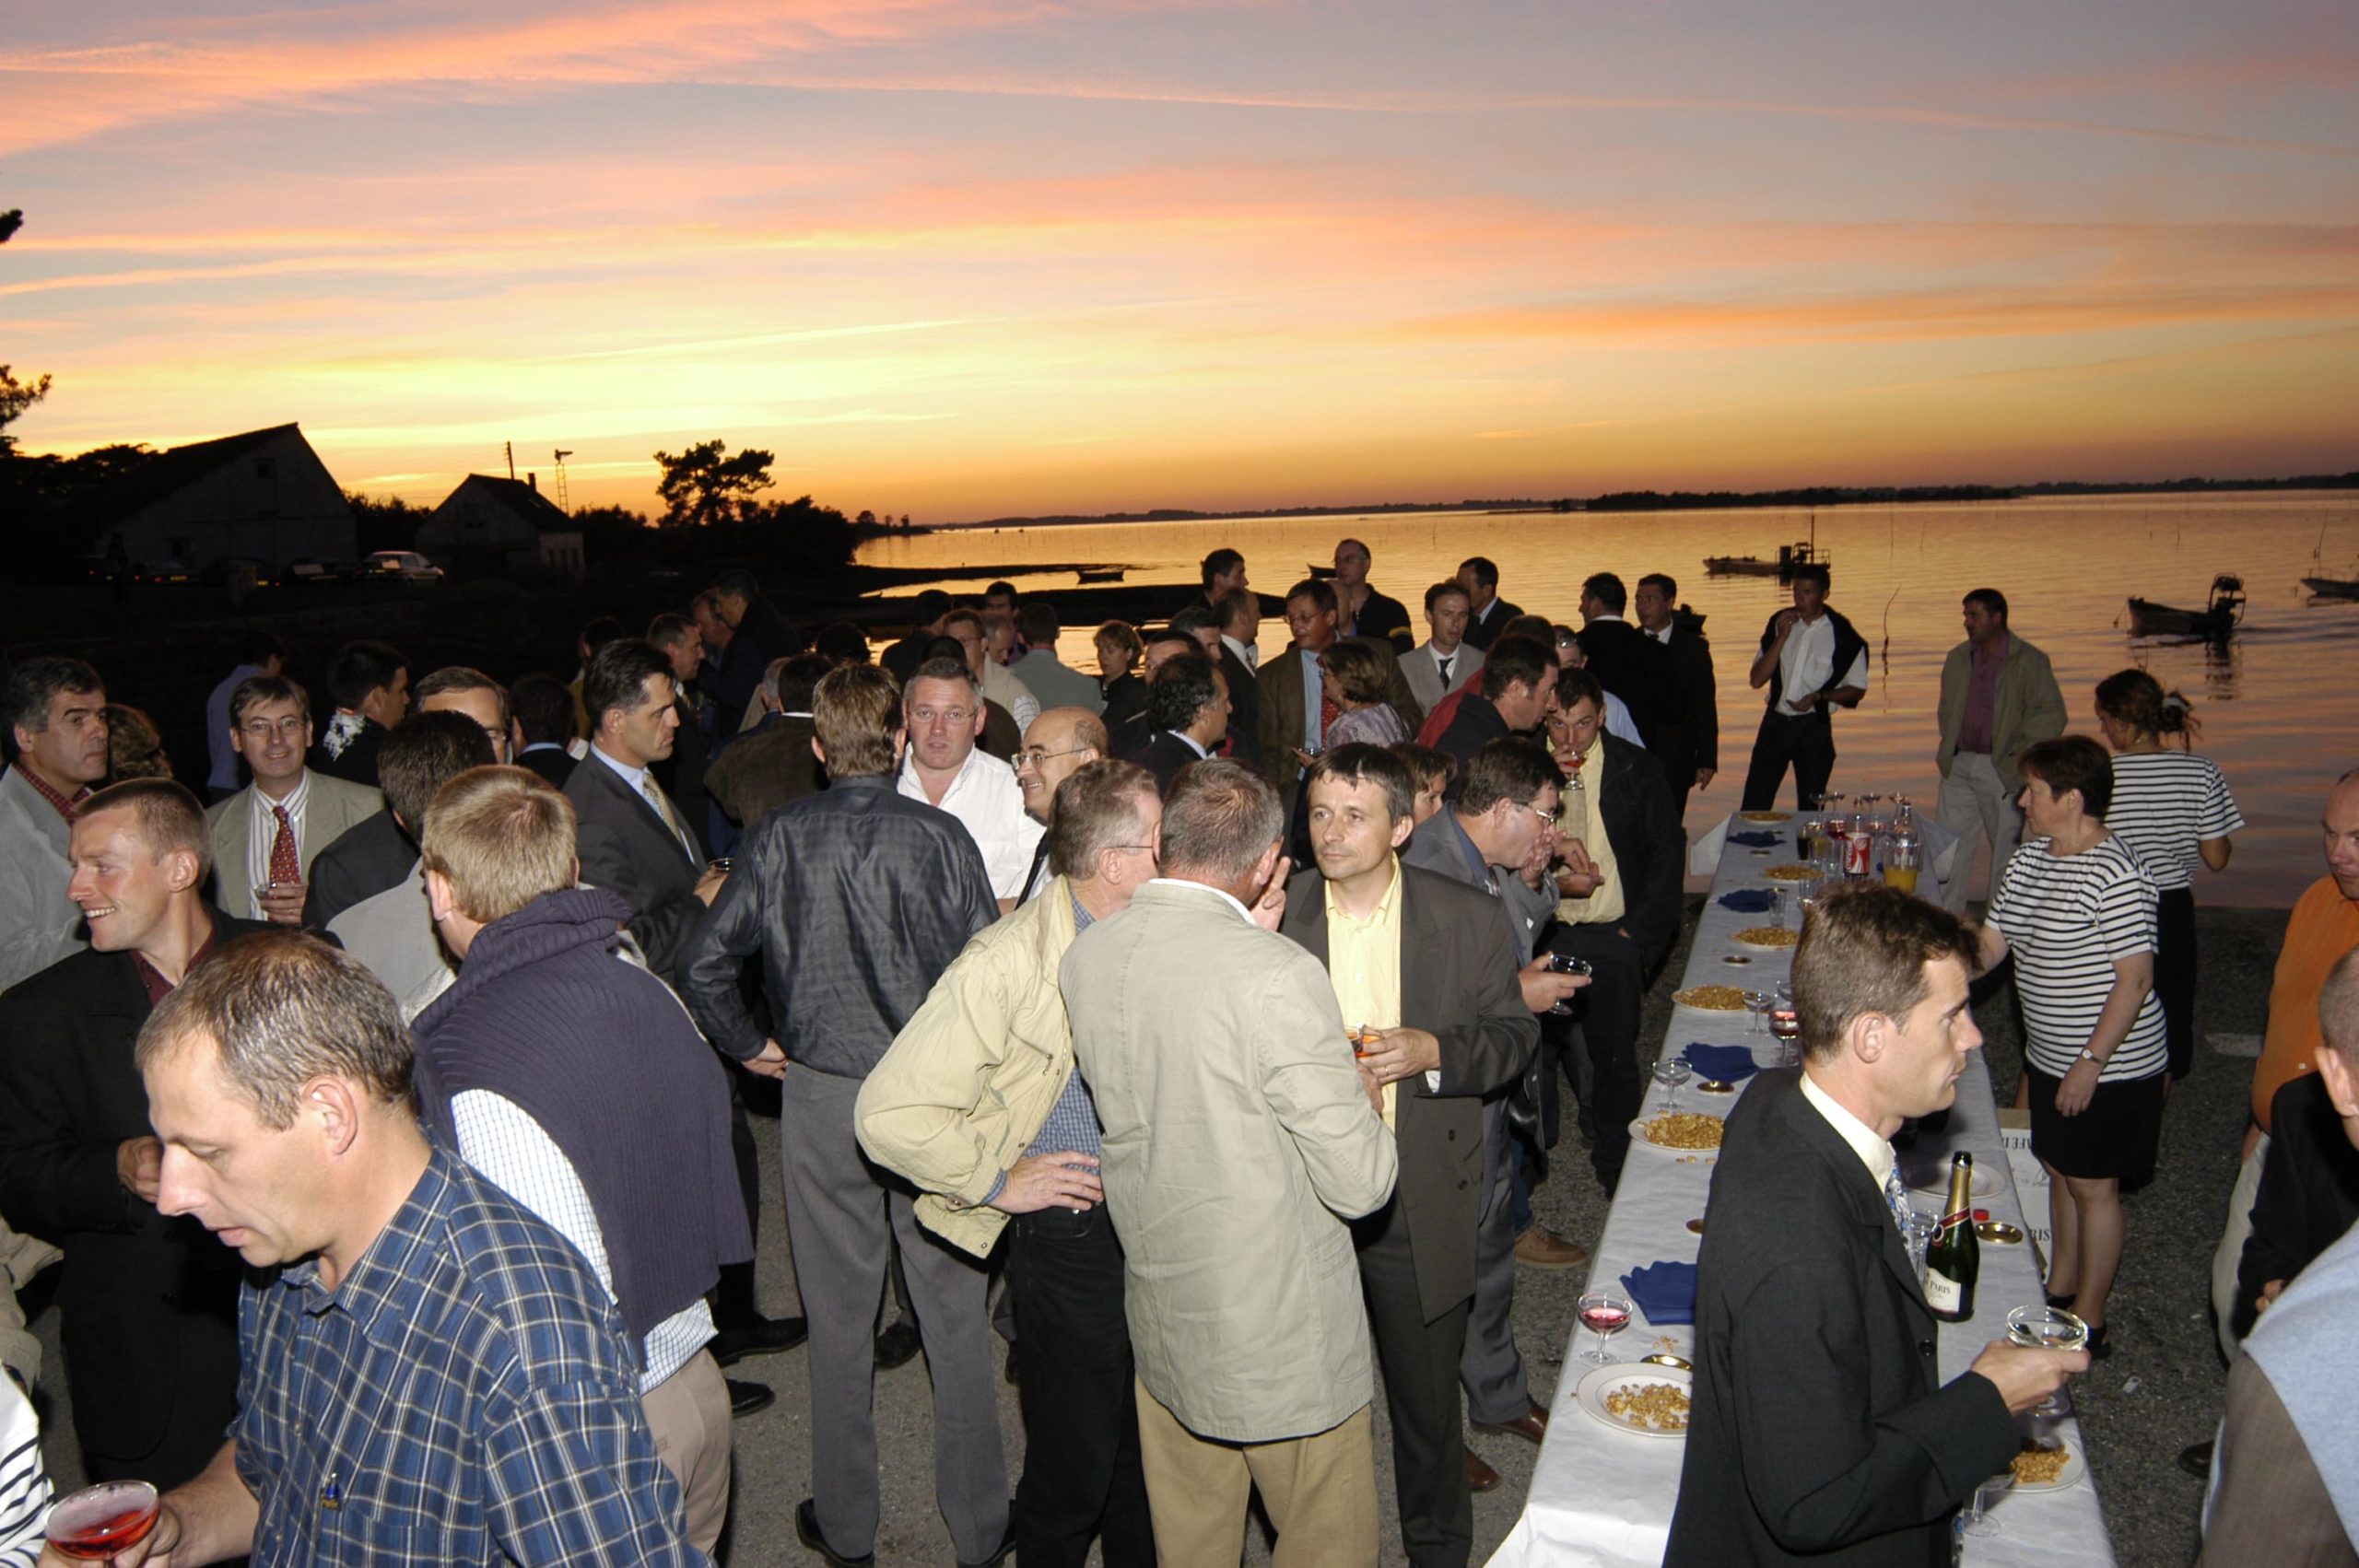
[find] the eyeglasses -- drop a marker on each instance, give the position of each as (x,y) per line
(1034,757)
(931,716)
(1551,818)
(291,727)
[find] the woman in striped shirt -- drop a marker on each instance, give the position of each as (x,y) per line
(2172,808)
(2077,910)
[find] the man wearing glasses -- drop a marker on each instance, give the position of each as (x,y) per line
(943,707)
(266,835)
(1058,744)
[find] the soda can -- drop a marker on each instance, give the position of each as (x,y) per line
(1858,849)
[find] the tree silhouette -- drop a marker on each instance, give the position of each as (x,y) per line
(704,484)
(16,397)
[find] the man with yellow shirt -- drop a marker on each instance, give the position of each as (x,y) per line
(1425,971)
(1620,909)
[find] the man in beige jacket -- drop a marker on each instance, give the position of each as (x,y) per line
(1241,1135)
(1998,698)
(977,1101)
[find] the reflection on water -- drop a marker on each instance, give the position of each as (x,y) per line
(2276,702)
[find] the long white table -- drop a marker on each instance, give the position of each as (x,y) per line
(1601,1496)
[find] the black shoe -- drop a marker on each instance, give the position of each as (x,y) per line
(758,1336)
(1011,1373)
(2100,1344)
(807,1531)
(745,1398)
(896,1345)
(2196,1459)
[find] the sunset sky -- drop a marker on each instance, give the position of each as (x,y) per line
(963,260)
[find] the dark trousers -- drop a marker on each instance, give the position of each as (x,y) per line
(1806,744)
(1082,1472)
(2175,974)
(1608,1008)
(1420,1361)
(732,1298)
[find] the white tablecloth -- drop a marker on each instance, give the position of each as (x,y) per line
(1601,1496)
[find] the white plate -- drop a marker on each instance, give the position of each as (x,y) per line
(1639,1131)
(2075,1468)
(1937,1181)
(1762,946)
(1595,1387)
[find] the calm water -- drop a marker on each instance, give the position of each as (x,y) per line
(2278,705)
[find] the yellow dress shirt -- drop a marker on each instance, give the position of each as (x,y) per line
(1584,820)
(1363,963)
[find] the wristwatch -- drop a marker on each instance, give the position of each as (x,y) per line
(2088,1055)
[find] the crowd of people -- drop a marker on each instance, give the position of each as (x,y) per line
(1200,1025)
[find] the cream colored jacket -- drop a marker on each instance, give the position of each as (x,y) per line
(967,1082)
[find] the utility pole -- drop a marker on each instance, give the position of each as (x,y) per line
(509,447)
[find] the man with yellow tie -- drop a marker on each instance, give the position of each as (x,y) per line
(1425,973)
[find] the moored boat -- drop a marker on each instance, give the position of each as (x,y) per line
(2217,619)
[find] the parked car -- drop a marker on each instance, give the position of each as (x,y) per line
(407,564)
(307,573)
(252,570)
(170,573)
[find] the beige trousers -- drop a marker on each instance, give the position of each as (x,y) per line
(689,1413)
(1319,1490)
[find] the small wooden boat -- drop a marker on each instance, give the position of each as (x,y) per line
(1100,574)
(2216,620)
(1322,573)
(1790,558)
(2333,587)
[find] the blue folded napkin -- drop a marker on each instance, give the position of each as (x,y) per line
(1757,838)
(1730,1064)
(1664,1291)
(1748,901)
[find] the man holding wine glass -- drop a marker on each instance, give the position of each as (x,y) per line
(1818,1425)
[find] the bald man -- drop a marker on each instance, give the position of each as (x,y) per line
(1059,743)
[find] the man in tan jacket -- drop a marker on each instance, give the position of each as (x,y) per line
(1998,698)
(977,1103)
(1240,1136)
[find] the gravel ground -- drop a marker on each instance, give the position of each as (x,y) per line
(2159,1392)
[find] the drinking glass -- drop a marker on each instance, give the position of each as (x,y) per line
(1975,1518)
(98,1521)
(1566,964)
(2045,1327)
(1787,1025)
(1671,1072)
(1777,908)
(1756,1007)
(1603,1313)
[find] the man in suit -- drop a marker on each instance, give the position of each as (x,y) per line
(1489,614)
(1363,611)
(1291,695)
(369,684)
(1620,908)
(1186,707)
(1512,697)
(1043,674)
(1128,722)
(1430,966)
(1444,662)
(1813,661)
(1238,621)
(759,632)
(1238,1129)
(771,763)
(683,773)
(266,835)
(1625,661)
(1688,744)
(149,1303)
(57,733)
(1819,1432)
(544,711)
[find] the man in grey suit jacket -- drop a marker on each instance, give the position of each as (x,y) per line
(270,726)
(1431,965)
(57,734)
(1240,1136)
(1446,661)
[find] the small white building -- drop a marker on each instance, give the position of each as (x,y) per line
(490,527)
(265,495)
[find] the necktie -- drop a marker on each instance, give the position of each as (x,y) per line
(1895,1198)
(1443,662)
(286,862)
(662,804)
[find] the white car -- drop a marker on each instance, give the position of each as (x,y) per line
(407,564)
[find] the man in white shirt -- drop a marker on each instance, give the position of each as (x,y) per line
(1812,662)
(943,709)
(1445,660)
(266,835)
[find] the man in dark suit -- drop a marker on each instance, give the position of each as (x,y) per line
(682,774)
(1487,613)
(371,856)
(1186,707)
(149,1303)
(1625,661)
(1289,690)
(1688,746)
(759,633)
(1238,622)
(772,763)
(1819,1433)
(1431,966)
(2309,1198)
(544,710)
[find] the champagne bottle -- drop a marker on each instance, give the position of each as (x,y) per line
(1954,1258)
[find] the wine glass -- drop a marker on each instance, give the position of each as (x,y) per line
(1976,1519)
(1756,1003)
(1603,1313)
(2045,1327)
(102,1520)
(1671,1072)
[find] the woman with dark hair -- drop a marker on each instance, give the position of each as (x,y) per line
(2076,908)
(134,748)
(1354,682)
(2172,808)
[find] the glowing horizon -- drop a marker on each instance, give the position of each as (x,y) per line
(1003,258)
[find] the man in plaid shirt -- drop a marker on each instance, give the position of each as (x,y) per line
(430,1375)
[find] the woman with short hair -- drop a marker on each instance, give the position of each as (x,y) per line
(1352,680)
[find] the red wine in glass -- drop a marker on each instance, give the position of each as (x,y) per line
(1603,1313)
(98,1521)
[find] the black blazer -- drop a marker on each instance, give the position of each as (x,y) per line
(363,861)
(1819,1432)
(357,764)
(2309,1192)
(1457,982)
(1244,707)
(1484,631)
(1163,757)
(1691,739)
(627,849)
(1642,826)
(141,1294)
(1636,668)
(682,773)
(556,765)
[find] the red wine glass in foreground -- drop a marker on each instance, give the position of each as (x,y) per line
(98,1521)
(1603,1313)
